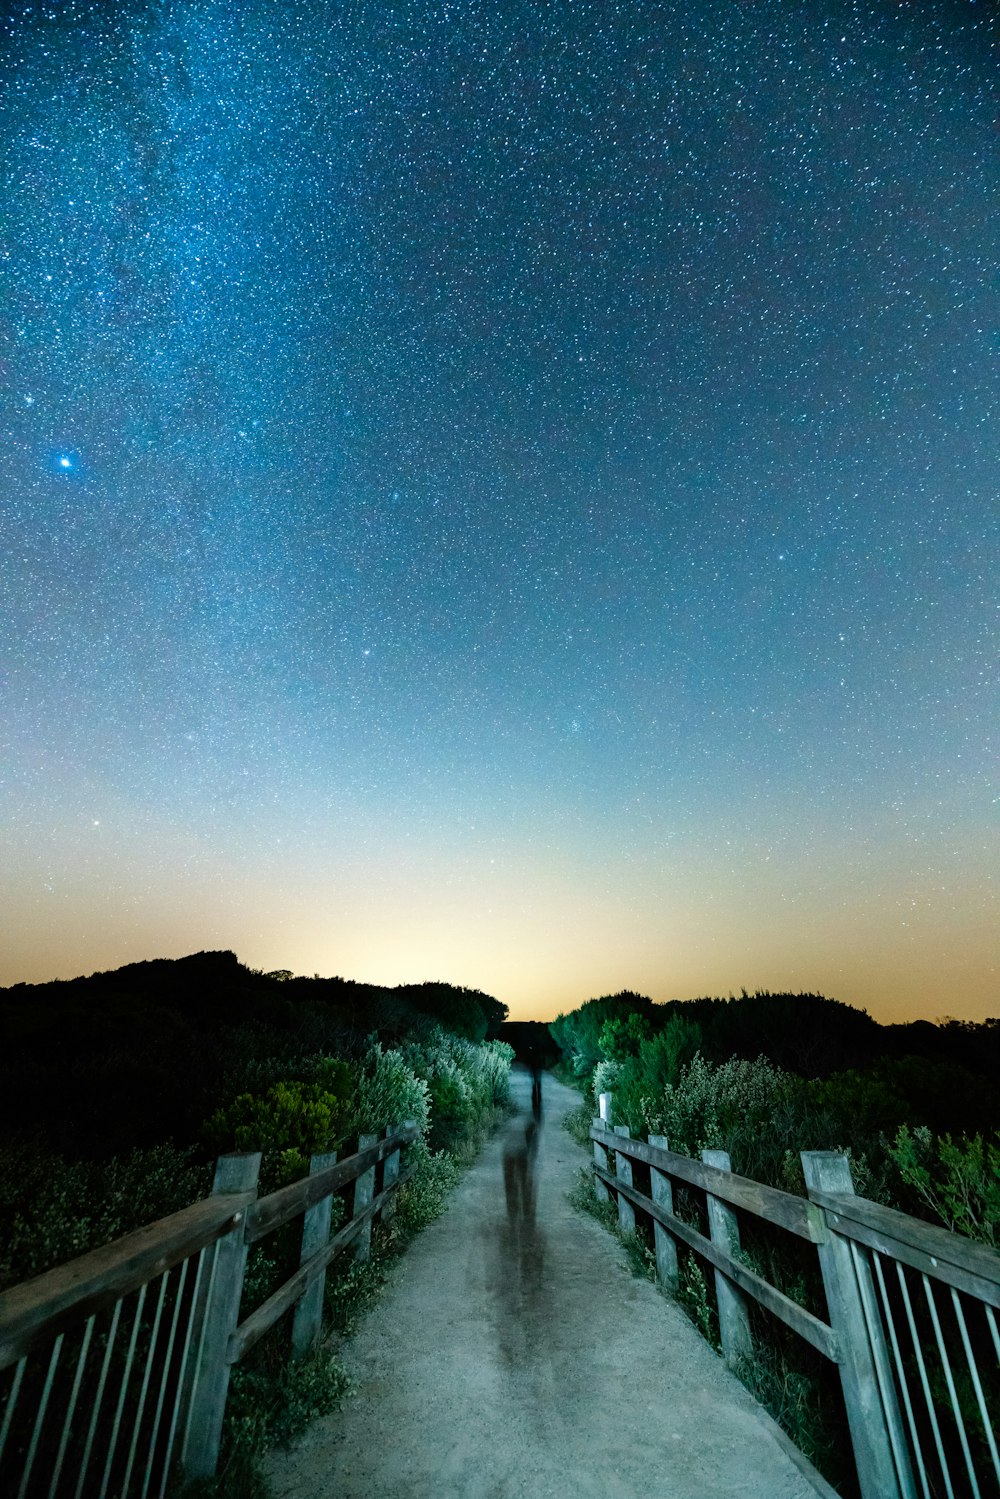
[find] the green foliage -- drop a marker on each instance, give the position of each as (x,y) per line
(388,1091)
(148,1052)
(746,1108)
(577,1124)
(578,1034)
(957,1180)
(622,1035)
(424,1197)
(290,1122)
(53,1209)
(693,1296)
(607,1075)
(793,1398)
(655,1067)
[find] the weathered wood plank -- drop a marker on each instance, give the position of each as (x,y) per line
(623,1171)
(663,1196)
(601,1162)
(784,1209)
(880,1451)
(279,1207)
(734,1314)
(960,1262)
(364,1191)
(812,1329)
(315,1237)
(41,1308)
(257,1324)
(209,1369)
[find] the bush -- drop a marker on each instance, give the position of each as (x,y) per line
(388,1091)
(289,1123)
(53,1209)
(423,1198)
(957,1180)
(746,1108)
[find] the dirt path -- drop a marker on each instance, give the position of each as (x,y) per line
(508,1361)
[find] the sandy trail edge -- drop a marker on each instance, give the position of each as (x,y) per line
(503,1362)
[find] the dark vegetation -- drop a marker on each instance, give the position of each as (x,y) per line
(764,1077)
(117,1091)
(767,1075)
(144,1054)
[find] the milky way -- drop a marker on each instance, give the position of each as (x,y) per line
(503,492)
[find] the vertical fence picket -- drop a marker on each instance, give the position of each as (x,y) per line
(916,1445)
(98,1399)
(663,1195)
(43,1405)
(144,1389)
(390,1171)
(977,1383)
(956,1405)
(925,1382)
(164,1376)
(74,1395)
(182,1399)
(122,1392)
(883,1370)
(12,1398)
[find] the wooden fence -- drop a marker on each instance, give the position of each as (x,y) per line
(911,1308)
(117,1365)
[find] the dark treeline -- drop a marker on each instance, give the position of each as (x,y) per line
(532,1042)
(805,1033)
(142,1054)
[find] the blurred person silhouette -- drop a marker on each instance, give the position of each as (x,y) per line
(534,1063)
(519,1151)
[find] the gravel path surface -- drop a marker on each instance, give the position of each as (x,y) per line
(509,1360)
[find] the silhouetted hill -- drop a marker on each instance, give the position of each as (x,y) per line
(142,1053)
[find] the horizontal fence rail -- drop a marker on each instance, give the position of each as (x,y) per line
(114,1368)
(912,1308)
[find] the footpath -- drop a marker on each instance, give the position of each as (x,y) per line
(511,1360)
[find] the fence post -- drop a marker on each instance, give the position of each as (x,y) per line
(217,1320)
(390,1170)
(734,1315)
(663,1196)
(871,1425)
(606,1115)
(623,1170)
(364,1191)
(308,1316)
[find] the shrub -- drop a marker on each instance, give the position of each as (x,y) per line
(746,1108)
(606,1076)
(53,1209)
(388,1091)
(290,1122)
(957,1180)
(622,1035)
(423,1198)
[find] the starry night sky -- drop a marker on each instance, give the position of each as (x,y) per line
(503,492)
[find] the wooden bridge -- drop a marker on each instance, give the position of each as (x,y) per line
(513,1354)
